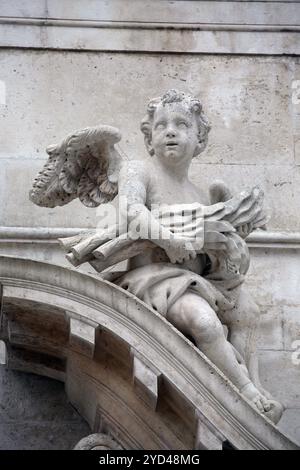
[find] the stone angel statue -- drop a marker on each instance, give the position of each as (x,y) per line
(186,251)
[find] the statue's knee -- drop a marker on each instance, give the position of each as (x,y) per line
(207,327)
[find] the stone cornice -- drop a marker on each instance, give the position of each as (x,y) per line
(230,27)
(185,11)
(208,27)
(206,40)
(258,239)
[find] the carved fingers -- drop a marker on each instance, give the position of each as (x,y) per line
(245,230)
(180,250)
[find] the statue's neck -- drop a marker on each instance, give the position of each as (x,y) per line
(175,172)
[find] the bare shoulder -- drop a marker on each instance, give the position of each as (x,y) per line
(133,177)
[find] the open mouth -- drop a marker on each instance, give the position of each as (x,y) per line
(171,144)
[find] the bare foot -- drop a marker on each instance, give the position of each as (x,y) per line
(253,394)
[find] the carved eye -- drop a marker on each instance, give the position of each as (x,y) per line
(160,125)
(183,124)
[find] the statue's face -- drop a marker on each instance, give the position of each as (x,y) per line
(174,134)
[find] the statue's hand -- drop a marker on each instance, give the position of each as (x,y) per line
(244,230)
(179,250)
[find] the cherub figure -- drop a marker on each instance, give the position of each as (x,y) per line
(196,286)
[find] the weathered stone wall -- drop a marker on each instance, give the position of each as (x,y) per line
(247,99)
(35,414)
(67,74)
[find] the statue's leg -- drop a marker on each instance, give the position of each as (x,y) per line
(193,316)
(242,323)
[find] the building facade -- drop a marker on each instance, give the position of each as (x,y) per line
(71,64)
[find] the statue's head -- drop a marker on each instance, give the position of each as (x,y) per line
(175,127)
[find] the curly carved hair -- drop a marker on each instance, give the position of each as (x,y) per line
(193,105)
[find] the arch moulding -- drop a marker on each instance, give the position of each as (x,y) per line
(127,370)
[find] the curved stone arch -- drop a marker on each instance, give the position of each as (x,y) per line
(127,370)
(97,442)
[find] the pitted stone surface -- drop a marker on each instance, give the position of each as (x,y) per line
(249,113)
(35,414)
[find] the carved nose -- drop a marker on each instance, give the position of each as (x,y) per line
(171,132)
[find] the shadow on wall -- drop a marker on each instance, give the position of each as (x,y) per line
(35,414)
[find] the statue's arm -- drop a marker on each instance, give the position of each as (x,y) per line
(134,181)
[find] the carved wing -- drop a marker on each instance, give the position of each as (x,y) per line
(84,165)
(244,208)
(245,213)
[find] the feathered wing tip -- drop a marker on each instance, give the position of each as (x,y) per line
(46,189)
(245,208)
(84,165)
